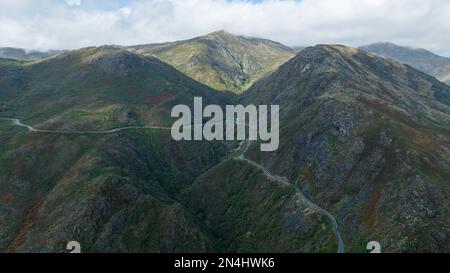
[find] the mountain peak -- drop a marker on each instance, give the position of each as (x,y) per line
(342,49)
(221,35)
(219,32)
(222,60)
(335,54)
(383,44)
(384,47)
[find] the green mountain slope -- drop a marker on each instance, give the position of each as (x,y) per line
(243,211)
(99,88)
(421,59)
(221,60)
(112,192)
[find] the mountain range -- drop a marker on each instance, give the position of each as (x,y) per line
(419,58)
(364,140)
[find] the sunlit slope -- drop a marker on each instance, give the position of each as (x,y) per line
(221,60)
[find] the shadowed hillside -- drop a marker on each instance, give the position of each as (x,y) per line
(368,139)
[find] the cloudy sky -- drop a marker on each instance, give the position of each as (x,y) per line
(69,24)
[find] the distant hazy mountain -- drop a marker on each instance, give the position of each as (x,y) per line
(421,59)
(222,60)
(24,55)
(298,48)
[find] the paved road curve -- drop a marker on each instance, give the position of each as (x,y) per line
(244,147)
(19,123)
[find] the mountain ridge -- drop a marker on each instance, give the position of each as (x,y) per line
(419,58)
(101,85)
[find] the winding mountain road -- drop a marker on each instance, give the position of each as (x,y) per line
(285,182)
(243,147)
(19,123)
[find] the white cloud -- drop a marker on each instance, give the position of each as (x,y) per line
(72,24)
(73,2)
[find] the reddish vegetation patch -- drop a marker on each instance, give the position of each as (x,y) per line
(130,89)
(47,242)
(164,136)
(369,211)
(48,148)
(6,198)
(104,83)
(55,125)
(19,167)
(308,172)
(420,138)
(142,217)
(160,99)
(31,218)
(401,117)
